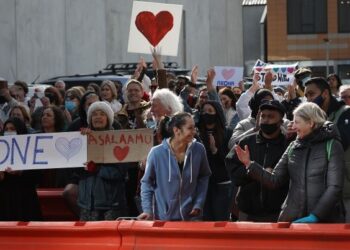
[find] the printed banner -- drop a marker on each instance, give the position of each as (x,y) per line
(228,76)
(43,151)
(119,145)
(282,74)
(155,25)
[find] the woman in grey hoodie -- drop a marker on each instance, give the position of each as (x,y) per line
(175,183)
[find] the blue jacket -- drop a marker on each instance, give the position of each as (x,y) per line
(175,194)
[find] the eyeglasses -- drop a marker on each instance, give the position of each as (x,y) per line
(345,97)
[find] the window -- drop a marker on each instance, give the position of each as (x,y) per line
(344,16)
(306,16)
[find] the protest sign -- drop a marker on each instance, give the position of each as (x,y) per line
(119,145)
(43,151)
(228,76)
(281,74)
(155,24)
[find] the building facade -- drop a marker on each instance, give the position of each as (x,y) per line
(315,33)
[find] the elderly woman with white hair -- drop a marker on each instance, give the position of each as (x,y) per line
(313,165)
(165,102)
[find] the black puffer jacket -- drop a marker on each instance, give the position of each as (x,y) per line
(252,198)
(315,183)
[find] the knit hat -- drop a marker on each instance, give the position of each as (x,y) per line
(112,87)
(105,108)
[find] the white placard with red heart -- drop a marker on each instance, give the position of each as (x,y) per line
(155,25)
(228,76)
(281,74)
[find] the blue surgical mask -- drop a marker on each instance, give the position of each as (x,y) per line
(150,124)
(318,100)
(70,105)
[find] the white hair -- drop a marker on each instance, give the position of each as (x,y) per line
(169,100)
(344,88)
(311,112)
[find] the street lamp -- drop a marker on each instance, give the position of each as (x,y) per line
(327,41)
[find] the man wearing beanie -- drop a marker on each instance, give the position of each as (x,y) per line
(255,202)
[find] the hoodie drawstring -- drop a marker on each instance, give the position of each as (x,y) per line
(169,165)
(191,168)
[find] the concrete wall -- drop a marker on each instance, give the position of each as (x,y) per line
(51,38)
(252,34)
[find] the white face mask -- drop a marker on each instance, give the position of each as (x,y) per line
(10,133)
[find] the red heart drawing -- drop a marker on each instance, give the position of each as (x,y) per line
(290,70)
(258,69)
(227,73)
(120,153)
(154,27)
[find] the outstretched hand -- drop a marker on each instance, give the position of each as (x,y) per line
(194,74)
(210,78)
(243,155)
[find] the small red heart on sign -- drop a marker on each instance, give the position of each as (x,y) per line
(258,69)
(154,27)
(120,153)
(227,73)
(290,70)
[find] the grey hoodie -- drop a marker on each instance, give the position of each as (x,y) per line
(175,194)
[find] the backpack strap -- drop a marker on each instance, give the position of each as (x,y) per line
(329,148)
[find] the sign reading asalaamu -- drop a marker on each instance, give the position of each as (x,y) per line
(119,145)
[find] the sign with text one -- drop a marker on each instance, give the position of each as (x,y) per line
(119,145)
(228,76)
(43,151)
(155,25)
(281,74)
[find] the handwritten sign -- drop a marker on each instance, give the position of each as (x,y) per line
(282,74)
(228,76)
(155,24)
(43,151)
(119,145)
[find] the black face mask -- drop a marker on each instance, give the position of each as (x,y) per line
(318,100)
(2,100)
(208,119)
(269,128)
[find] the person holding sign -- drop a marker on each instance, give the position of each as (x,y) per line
(177,172)
(102,186)
(18,198)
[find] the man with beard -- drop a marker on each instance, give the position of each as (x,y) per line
(318,91)
(132,116)
(256,203)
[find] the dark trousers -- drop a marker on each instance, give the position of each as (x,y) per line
(218,202)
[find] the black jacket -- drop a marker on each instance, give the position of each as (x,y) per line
(253,198)
(315,183)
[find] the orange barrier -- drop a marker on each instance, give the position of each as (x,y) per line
(53,206)
(226,235)
(60,235)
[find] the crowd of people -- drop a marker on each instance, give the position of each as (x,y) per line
(263,154)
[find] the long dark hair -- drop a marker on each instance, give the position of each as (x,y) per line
(20,126)
(60,120)
(218,130)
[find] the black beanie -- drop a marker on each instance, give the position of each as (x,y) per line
(255,101)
